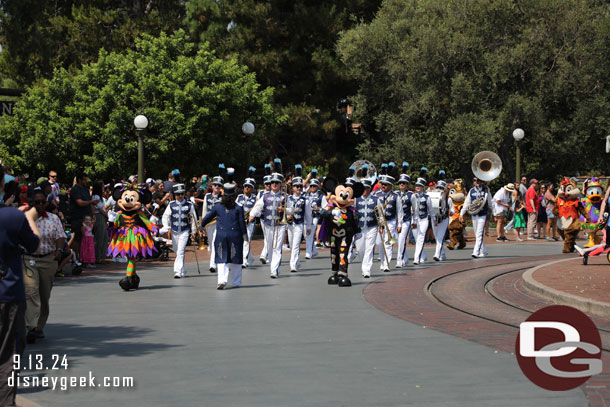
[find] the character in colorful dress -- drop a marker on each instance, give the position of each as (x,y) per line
(567,212)
(592,202)
(133,232)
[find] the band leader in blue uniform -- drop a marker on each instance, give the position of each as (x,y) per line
(230,235)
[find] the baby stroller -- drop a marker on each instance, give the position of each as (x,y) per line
(600,249)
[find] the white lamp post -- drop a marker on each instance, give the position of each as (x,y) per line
(518,135)
(141,122)
(248,129)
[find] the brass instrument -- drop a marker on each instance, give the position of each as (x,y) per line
(486,166)
(381,221)
(202,245)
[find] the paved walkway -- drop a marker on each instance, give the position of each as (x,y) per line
(294,341)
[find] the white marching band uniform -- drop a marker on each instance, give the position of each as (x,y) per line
(369,231)
(267,206)
(478,220)
(301,212)
(393,215)
(247,202)
(181,218)
(442,208)
(421,204)
(402,258)
(315,200)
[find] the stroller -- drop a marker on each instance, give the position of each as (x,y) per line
(600,249)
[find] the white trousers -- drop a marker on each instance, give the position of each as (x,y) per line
(478,224)
(366,247)
(388,247)
(310,241)
(248,258)
(179,241)
(211,232)
(402,257)
(420,238)
(275,247)
(439,235)
(295,234)
(226,270)
(264,252)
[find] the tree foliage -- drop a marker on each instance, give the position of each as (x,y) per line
(442,80)
(291,47)
(38,36)
(195,103)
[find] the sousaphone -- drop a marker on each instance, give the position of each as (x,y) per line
(486,166)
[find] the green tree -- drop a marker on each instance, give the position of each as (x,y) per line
(38,36)
(195,103)
(291,47)
(442,80)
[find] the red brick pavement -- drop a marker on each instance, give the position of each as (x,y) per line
(406,296)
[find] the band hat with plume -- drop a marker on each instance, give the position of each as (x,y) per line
(387,171)
(350,180)
(219,180)
(404,177)
(229,186)
(421,181)
(250,181)
(441,183)
(277,175)
(314,181)
(178,189)
(267,176)
(298,175)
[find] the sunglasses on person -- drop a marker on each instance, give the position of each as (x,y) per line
(298,186)
(275,182)
(52,176)
(39,201)
(179,193)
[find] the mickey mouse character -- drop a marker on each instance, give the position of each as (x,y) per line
(133,232)
(340,224)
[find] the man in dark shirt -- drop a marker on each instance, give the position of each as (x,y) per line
(16,229)
(80,206)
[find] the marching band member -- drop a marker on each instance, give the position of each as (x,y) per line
(421,204)
(314,196)
(267,187)
(180,216)
(440,220)
(271,206)
(230,235)
(392,211)
(481,196)
(247,200)
(402,258)
(211,199)
(365,211)
(298,214)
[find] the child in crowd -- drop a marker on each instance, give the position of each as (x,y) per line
(87,250)
(519,218)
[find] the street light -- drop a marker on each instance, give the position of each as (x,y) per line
(141,122)
(248,129)
(518,135)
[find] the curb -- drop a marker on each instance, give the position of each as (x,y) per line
(586,305)
(23,402)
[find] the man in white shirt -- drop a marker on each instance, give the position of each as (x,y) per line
(501,207)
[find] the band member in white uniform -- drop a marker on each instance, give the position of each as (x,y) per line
(479,191)
(211,199)
(247,200)
(442,208)
(314,196)
(404,196)
(271,206)
(393,214)
(421,204)
(365,210)
(181,218)
(267,187)
(298,214)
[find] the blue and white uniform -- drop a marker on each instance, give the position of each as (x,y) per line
(209,202)
(478,220)
(369,231)
(421,209)
(315,201)
(393,216)
(263,256)
(267,206)
(442,209)
(247,203)
(181,218)
(402,258)
(300,209)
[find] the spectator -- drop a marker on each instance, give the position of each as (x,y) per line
(541,220)
(161,198)
(501,207)
(80,206)
(18,229)
(100,225)
(172,178)
(523,188)
(531,206)
(40,268)
(23,197)
(519,218)
(55,190)
(87,247)
(551,225)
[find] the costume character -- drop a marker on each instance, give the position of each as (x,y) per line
(456,228)
(592,202)
(340,224)
(567,210)
(133,232)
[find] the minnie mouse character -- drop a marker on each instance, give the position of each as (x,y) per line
(133,232)
(340,224)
